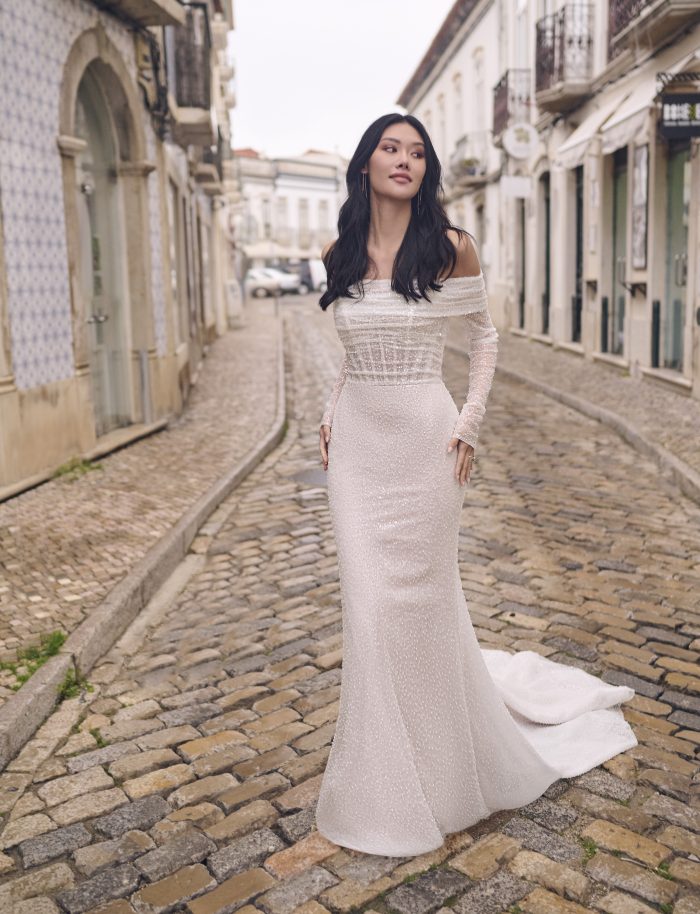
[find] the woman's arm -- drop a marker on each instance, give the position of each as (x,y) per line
(328,412)
(482,347)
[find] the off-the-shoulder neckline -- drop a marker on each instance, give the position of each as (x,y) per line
(449,278)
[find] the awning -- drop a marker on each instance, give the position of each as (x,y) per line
(624,125)
(272,250)
(573,150)
(262,249)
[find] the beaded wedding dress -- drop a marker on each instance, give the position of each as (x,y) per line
(434,733)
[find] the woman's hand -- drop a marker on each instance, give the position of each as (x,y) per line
(464,461)
(324,434)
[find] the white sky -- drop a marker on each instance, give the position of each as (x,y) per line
(316,73)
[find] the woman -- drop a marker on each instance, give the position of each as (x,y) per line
(433,732)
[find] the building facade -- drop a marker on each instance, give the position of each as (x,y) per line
(114,232)
(570,132)
(288,207)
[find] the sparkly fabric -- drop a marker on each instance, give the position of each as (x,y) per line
(408,347)
(434,732)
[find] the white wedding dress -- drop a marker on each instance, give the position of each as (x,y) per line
(434,733)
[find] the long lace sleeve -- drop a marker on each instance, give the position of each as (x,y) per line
(327,418)
(482,347)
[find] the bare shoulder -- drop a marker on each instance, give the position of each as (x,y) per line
(467,263)
(327,249)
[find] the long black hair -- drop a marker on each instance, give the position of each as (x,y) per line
(426,251)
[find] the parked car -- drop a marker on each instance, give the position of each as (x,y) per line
(260,283)
(288,282)
(313,275)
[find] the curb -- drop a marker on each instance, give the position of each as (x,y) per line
(687,479)
(28,708)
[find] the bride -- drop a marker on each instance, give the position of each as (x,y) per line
(434,733)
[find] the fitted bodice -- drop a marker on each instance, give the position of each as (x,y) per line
(389,340)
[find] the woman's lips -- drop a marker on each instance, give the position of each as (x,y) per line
(401,179)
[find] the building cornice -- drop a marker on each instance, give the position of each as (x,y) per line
(455,19)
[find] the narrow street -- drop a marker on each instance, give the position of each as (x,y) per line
(186,779)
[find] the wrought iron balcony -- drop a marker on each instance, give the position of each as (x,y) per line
(469,162)
(189,67)
(564,56)
(146,12)
(511,101)
(646,22)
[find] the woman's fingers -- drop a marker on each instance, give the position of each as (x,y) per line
(463,461)
(324,438)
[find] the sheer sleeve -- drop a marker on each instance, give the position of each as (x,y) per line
(482,347)
(327,418)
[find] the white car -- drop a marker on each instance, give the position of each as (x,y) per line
(260,284)
(288,282)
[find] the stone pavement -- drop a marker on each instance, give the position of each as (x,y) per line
(187,780)
(662,415)
(65,544)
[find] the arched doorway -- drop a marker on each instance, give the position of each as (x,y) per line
(101,258)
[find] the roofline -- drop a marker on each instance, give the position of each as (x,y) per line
(457,15)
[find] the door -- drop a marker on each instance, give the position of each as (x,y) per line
(101,266)
(522,263)
(619,292)
(678,197)
(546,250)
(577,300)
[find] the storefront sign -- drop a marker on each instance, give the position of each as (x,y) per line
(516,186)
(680,115)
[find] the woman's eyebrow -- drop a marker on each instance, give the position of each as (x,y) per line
(394,140)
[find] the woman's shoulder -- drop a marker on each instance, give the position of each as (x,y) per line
(467,262)
(327,249)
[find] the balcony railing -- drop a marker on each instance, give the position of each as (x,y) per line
(646,22)
(622,12)
(511,101)
(189,66)
(146,12)
(564,55)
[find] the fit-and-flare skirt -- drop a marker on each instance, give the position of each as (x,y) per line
(434,732)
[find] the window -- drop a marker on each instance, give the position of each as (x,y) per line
(479,93)
(178,263)
(442,127)
(282,220)
(267,217)
(458,118)
(304,233)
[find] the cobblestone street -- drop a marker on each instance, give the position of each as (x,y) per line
(68,542)
(186,780)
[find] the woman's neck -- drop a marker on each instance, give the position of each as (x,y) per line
(388,222)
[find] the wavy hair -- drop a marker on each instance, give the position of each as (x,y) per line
(425,253)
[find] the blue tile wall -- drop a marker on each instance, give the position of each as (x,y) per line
(35,39)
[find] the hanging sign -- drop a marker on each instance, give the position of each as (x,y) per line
(520,140)
(680,115)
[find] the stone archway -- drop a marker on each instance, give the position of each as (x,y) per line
(118,212)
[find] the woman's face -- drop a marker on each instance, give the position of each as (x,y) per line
(397,166)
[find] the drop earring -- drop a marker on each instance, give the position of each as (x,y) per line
(420,196)
(364,183)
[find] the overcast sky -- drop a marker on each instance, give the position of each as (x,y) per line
(316,73)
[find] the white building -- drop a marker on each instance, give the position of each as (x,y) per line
(288,207)
(114,236)
(594,247)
